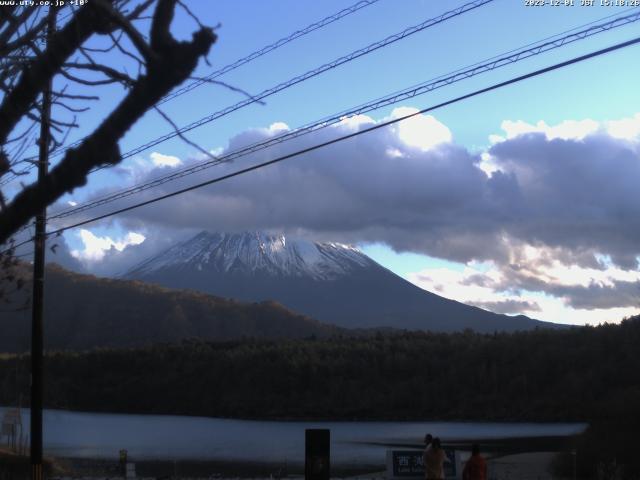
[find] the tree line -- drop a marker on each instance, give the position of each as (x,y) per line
(578,374)
(589,374)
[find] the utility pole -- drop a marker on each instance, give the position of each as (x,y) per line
(37,343)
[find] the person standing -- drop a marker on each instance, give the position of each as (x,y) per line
(476,466)
(434,458)
(427,446)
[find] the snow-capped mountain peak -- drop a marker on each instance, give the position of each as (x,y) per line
(330,282)
(258,253)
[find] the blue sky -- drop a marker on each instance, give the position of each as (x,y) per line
(545,267)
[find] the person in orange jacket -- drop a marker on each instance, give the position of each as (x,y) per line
(476,466)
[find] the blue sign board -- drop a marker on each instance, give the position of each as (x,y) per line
(410,464)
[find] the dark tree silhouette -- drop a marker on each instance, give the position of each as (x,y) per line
(27,63)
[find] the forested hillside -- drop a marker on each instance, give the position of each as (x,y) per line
(83,311)
(578,374)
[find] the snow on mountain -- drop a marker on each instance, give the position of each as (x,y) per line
(258,253)
(330,282)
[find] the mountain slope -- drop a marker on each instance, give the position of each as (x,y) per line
(83,311)
(328,281)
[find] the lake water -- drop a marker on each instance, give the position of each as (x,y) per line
(98,435)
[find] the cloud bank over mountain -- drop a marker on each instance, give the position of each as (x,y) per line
(547,208)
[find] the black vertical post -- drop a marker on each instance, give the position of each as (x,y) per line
(317,462)
(37,342)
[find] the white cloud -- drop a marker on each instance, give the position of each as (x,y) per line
(354,122)
(566,130)
(564,290)
(394,153)
(487,164)
(556,268)
(574,275)
(543,213)
(160,160)
(421,131)
(493,139)
(489,289)
(626,128)
(95,248)
(455,284)
(444,201)
(278,127)
(475,285)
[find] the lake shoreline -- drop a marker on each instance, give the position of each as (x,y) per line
(79,467)
(498,451)
(200,446)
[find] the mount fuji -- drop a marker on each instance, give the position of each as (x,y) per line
(330,282)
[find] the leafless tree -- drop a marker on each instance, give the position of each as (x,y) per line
(28,62)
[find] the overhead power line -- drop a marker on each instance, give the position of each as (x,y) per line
(269,48)
(312,73)
(236,64)
(318,146)
(491,64)
(305,76)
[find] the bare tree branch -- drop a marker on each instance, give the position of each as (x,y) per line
(111,73)
(83,81)
(34,77)
(14,24)
(172,62)
(134,35)
(229,87)
(182,136)
(118,43)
